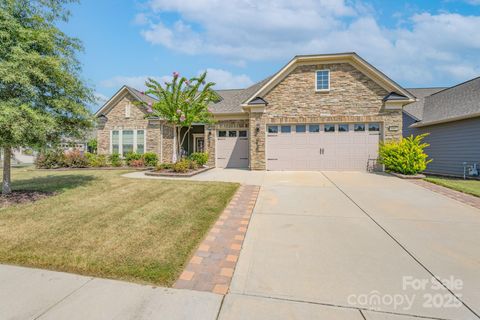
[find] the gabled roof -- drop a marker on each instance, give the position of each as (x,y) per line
(415,109)
(393,96)
(233,99)
(348,57)
(455,103)
(140,96)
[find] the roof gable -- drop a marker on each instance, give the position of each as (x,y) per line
(124,90)
(351,58)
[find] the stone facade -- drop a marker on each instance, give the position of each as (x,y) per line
(117,120)
(353,97)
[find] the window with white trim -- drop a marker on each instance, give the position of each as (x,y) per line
(322,80)
(125,141)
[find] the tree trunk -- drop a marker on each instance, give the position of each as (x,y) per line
(6,187)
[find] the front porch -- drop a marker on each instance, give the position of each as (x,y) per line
(195,140)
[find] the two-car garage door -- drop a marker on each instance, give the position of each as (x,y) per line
(322,146)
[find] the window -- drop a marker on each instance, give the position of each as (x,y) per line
(358,127)
(115,142)
(300,128)
(232,134)
(343,128)
(242,133)
(314,128)
(323,80)
(140,141)
(272,129)
(222,134)
(373,127)
(286,129)
(329,128)
(127,141)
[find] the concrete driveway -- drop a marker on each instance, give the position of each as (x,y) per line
(340,245)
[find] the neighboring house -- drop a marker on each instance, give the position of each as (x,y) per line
(452,118)
(319,112)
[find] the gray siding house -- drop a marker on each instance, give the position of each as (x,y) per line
(452,118)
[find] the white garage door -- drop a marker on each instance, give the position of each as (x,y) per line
(322,147)
(232,149)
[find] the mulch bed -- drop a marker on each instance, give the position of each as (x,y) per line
(171,173)
(21,197)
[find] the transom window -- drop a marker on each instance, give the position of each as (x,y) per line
(373,127)
(222,134)
(272,129)
(329,128)
(359,127)
(323,80)
(343,128)
(232,134)
(314,128)
(286,129)
(125,141)
(300,128)
(242,133)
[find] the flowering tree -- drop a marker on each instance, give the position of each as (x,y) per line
(182,102)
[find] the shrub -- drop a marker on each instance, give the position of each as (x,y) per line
(165,166)
(406,156)
(131,156)
(137,163)
(96,160)
(181,166)
(115,160)
(75,159)
(92,145)
(192,164)
(50,159)
(150,159)
(201,158)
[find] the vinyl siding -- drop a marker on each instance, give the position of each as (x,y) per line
(451,144)
(407,121)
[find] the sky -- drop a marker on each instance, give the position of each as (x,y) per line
(239,42)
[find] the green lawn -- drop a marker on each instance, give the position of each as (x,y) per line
(466,186)
(102,224)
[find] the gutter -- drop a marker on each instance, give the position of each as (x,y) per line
(429,123)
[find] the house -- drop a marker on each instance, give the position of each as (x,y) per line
(319,112)
(452,118)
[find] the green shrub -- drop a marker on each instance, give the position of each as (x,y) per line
(131,156)
(115,160)
(150,159)
(406,156)
(181,166)
(136,163)
(92,145)
(201,158)
(164,166)
(75,159)
(192,164)
(96,160)
(50,159)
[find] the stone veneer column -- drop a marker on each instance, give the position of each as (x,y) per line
(210,136)
(393,125)
(257,124)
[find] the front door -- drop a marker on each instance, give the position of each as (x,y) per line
(199,145)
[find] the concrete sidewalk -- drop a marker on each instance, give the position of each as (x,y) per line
(27,293)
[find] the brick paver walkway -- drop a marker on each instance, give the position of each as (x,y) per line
(459,196)
(211,267)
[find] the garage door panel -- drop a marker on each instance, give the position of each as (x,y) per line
(232,152)
(322,150)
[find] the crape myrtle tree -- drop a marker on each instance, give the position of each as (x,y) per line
(182,102)
(41,94)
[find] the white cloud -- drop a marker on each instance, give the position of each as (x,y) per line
(100,98)
(423,49)
(226,80)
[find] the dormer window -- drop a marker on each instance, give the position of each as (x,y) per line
(322,80)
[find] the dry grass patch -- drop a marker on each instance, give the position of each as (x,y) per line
(102,224)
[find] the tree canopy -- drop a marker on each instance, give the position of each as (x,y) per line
(42,94)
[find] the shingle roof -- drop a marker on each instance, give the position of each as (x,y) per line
(415,109)
(140,95)
(233,98)
(460,101)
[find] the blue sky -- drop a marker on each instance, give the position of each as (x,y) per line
(239,42)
